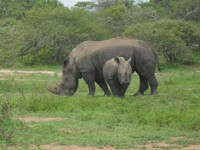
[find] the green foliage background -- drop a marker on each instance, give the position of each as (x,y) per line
(44,32)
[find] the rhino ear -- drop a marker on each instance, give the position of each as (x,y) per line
(65,62)
(129,60)
(116,58)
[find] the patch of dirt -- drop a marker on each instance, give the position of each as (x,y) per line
(38,119)
(163,145)
(56,147)
(62,147)
(192,147)
(180,138)
(157,146)
(6,72)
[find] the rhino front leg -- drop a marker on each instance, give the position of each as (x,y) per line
(104,87)
(89,79)
(114,86)
(123,90)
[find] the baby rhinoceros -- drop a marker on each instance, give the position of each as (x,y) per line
(117,73)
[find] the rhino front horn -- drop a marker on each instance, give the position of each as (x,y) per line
(54,90)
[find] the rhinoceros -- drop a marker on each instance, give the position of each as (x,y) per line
(117,73)
(88,58)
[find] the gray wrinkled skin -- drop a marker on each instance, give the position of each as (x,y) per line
(117,73)
(88,58)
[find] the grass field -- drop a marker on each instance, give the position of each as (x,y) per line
(172,117)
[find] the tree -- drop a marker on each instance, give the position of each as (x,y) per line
(44,31)
(55,32)
(174,39)
(88,6)
(17,9)
(114,18)
(184,9)
(102,4)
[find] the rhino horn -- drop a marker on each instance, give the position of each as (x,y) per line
(58,83)
(55,90)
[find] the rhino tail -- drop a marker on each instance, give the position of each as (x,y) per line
(159,68)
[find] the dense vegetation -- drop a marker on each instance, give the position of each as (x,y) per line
(44,31)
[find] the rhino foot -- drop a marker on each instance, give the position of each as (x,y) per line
(138,93)
(154,93)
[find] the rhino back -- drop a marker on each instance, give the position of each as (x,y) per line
(90,56)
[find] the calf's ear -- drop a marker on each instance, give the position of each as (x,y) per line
(65,62)
(116,58)
(129,60)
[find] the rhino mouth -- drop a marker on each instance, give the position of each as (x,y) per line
(125,82)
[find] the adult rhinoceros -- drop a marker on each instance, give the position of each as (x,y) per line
(88,58)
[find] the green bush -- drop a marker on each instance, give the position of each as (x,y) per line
(8,125)
(55,32)
(174,39)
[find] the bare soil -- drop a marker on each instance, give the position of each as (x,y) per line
(8,72)
(155,146)
(164,146)
(58,147)
(39,119)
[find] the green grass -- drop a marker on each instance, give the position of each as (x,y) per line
(102,121)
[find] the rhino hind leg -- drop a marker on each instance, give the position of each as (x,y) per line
(143,86)
(104,87)
(153,84)
(89,79)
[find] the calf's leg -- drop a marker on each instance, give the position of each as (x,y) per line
(114,87)
(123,89)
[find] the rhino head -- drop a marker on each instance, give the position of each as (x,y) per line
(69,83)
(124,70)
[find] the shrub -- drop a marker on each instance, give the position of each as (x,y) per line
(8,125)
(5,118)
